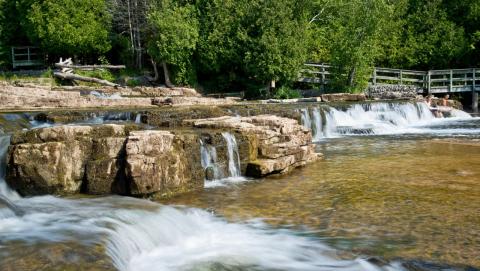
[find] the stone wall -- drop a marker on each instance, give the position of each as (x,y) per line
(392,92)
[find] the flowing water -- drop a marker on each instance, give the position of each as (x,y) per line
(210,161)
(398,190)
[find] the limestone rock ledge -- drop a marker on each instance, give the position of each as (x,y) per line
(122,159)
(277,145)
(102,159)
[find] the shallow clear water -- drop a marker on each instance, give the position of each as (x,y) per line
(407,197)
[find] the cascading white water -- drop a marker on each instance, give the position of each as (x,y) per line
(233,155)
(455,113)
(208,154)
(143,235)
(383,119)
(210,161)
(5,191)
(306,120)
(138,118)
(317,128)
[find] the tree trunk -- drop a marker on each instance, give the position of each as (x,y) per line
(155,70)
(130,28)
(167,75)
(351,77)
(89,67)
(70,76)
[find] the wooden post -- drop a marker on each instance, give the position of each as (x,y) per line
(323,75)
(374,81)
(450,88)
(28,54)
(401,77)
(474,79)
(13,57)
(474,92)
(428,82)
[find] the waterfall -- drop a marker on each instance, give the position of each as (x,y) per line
(209,158)
(455,113)
(233,155)
(138,118)
(377,118)
(317,128)
(5,191)
(306,120)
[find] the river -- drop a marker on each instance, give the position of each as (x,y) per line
(397,190)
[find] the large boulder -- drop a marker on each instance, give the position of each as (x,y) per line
(121,159)
(162,162)
(104,159)
(49,161)
(68,159)
(45,168)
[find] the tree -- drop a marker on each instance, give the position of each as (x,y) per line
(248,43)
(12,32)
(66,27)
(173,30)
(130,21)
(354,32)
(431,40)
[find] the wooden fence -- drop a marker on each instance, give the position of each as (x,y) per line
(433,81)
(26,56)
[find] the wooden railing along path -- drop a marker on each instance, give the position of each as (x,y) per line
(433,81)
(428,82)
(26,56)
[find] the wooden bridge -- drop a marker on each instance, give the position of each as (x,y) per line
(428,82)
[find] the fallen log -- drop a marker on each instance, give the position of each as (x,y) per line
(70,76)
(89,67)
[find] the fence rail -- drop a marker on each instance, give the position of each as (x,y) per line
(433,81)
(26,56)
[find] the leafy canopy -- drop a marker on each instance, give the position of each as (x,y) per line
(173,37)
(69,26)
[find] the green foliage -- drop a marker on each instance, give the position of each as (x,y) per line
(286,93)
(173,36)
(133,82)
(247,40)
(353,35)
(431,40)
(242,45)
(69,26)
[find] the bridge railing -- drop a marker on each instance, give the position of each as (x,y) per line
(433,81)
(315,73)
(25,56)
(398,76)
